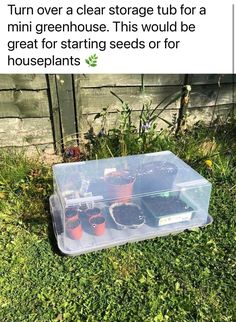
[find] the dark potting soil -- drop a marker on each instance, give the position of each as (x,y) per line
(128,215)
(73,224)
(97,220)
(166,205)
(71,212)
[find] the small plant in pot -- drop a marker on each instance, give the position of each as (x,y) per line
(98,224)
(119,186)
(74,229)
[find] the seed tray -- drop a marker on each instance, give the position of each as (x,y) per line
(167,210)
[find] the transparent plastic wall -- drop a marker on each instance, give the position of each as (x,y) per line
(103,203)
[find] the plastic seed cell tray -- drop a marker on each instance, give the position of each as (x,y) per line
(110,202)
(165,209)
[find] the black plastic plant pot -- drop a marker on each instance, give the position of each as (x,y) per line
(155,176)
(97,186)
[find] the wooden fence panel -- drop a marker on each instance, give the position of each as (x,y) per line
(163,80)
(92,101)
(93,93)
(24,104)
(113,122)
(25,132)
(24,111)
(49,110)
(109,80)
(23,81)
(211,95)
(207,79)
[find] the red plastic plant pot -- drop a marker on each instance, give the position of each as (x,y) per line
(71,214)
(119,186)
(93,212)
(98,224)
(74,229)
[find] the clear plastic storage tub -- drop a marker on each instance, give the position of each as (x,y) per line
(109,202)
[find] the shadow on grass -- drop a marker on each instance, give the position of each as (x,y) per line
(42,224)
(224,134)
(51,235)
(52,239)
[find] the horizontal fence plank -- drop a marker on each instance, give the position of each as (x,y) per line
(163,80)
(24,104)
(23,81)
(205,79)
(108,80)
(113,80)
(206,95)
(17,132)
(207,114)
(92,101)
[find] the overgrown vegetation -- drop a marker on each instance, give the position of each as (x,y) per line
(127,137)
(187,277)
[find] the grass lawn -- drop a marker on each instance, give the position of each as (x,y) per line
(187,277)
